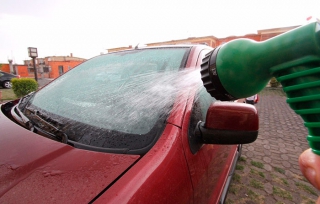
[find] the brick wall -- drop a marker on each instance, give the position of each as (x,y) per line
(67,65)
(5,68)
(23,70)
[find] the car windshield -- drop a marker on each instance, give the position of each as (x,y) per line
(114,100)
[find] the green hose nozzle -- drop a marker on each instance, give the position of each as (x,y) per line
(243,67)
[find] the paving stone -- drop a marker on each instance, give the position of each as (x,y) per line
(288,173)
(249,154)
(281,139)
(296,143)
(246,170)
(267,159)
(250,148)
(286,164)
(298,149)
(268,188)
(275,151)
(269,200)
(267,167)
(283,150)
(266,146)
(284,157)
(258,154)
(267,152)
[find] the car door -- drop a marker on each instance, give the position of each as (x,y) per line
(209,164)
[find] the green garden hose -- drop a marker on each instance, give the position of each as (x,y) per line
(243,67)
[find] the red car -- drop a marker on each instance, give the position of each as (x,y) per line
(134,126)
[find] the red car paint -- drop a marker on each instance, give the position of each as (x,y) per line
(34,169)
(209,167)
(236,113)
(161,176)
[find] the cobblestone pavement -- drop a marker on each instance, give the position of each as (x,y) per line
(268,170)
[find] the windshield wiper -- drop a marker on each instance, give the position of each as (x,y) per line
(17,114)
(24,100)
(59,136)
(56,134)
(21,118)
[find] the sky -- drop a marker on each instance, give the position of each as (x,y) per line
(88,28)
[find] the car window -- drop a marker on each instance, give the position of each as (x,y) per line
(200,106)
(202,99)
(114,100)
(199,112)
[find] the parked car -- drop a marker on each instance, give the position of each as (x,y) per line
(135,126)
(256,99)
(5,79)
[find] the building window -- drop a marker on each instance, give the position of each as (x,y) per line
(45,69)
(30,69)
(61,71)
(41,62)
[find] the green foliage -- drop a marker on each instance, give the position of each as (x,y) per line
(257,164)
(284,181)
(242,159)
(282,193)
(22,87)
(7,94)
(306,188)
(236,177)
(282,171)
(255,197)
(253,171)
(256,184)
(274,82)
(239,167)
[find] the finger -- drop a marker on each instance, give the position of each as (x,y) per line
(310,167)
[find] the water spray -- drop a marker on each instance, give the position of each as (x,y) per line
(243,67)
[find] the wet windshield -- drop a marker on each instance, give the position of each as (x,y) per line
(115,99)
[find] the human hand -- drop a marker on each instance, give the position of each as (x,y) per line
(310,167)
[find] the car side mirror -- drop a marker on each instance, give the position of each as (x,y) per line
(229,123)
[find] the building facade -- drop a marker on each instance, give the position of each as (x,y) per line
(213,41)
(48,67)
(15,69)
(53,66)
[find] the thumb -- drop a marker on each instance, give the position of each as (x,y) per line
(310,167)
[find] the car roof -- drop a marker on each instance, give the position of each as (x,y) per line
(165,46)
(3,72)
(7,73)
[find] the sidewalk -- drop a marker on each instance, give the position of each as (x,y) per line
(44,81)
(268,171)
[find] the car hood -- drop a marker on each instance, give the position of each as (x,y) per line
(34,169)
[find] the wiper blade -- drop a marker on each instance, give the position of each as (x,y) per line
(18,115)
(57,134)
(24,100)
(21,118)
